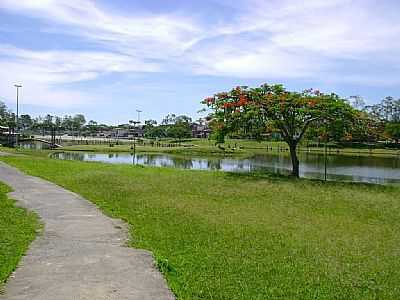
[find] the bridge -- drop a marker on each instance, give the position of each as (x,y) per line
(52,144)
(10,140)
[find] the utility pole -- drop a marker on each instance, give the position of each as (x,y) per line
(17,116)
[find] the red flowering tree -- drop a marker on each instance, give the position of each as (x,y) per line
(269,107)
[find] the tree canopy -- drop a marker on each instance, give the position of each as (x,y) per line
(263,109)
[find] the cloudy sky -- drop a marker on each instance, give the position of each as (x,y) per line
(109,58)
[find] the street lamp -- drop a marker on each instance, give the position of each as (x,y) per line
(134,138)
(138,112)
(17,115)
(326,149)
(134,134)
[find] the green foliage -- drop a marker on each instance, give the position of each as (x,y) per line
(179,131)
(155,131)
(17,230)
(172,126)
(392,130)
(6,117)
(164,265)
(78,121)
(387,110)
(271,107)
(25,121)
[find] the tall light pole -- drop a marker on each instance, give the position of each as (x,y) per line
(326,150)
(17,115)
(138,115)
(134,139)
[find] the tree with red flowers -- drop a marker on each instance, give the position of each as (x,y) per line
(268,107)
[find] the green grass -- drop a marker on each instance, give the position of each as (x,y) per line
(227,236)
(191,147)
(18,229)
(237,148)
(187,148)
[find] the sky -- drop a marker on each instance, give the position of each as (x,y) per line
(107,59)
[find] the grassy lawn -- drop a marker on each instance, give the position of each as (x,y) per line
(237,148)
(224,236)
(18,229)
(201,147)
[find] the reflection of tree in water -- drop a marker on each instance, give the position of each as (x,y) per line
(242,164)
(34,145)
(214,164)
(147,159)
(183,163)
(232,165)
(275,163)
(334,160)
(72,156)
(396,162)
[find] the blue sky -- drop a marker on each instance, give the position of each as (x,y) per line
(108,58)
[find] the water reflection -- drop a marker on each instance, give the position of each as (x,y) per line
(344,168)
(34,145)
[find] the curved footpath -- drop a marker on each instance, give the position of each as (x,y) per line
(81,253)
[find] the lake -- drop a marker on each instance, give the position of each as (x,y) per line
(369,169)
(34,145)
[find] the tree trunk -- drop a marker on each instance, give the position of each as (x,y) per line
(295,160)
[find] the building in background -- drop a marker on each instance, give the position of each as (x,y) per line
(200,130)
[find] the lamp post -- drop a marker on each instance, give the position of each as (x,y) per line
(17,115)
(138,112)
(134,138)
(326,150)
(325,160)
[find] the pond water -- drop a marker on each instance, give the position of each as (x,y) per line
(382,170)
(34,145)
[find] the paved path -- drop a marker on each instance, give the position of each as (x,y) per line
(81,254)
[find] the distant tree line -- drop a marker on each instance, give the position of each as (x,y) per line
(40,124)
(373,123)
(172,126)
(370,124)
(378,122)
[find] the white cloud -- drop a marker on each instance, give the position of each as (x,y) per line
(137,43)
(145,34)
(289,32)
(69,66)
(251,60)
(44,72)
(36,93)
(301,39)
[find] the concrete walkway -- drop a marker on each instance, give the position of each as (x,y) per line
(81,253)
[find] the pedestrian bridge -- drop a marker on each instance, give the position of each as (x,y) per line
(53,145)
(10,140)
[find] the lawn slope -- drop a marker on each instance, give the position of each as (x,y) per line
(224,236)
